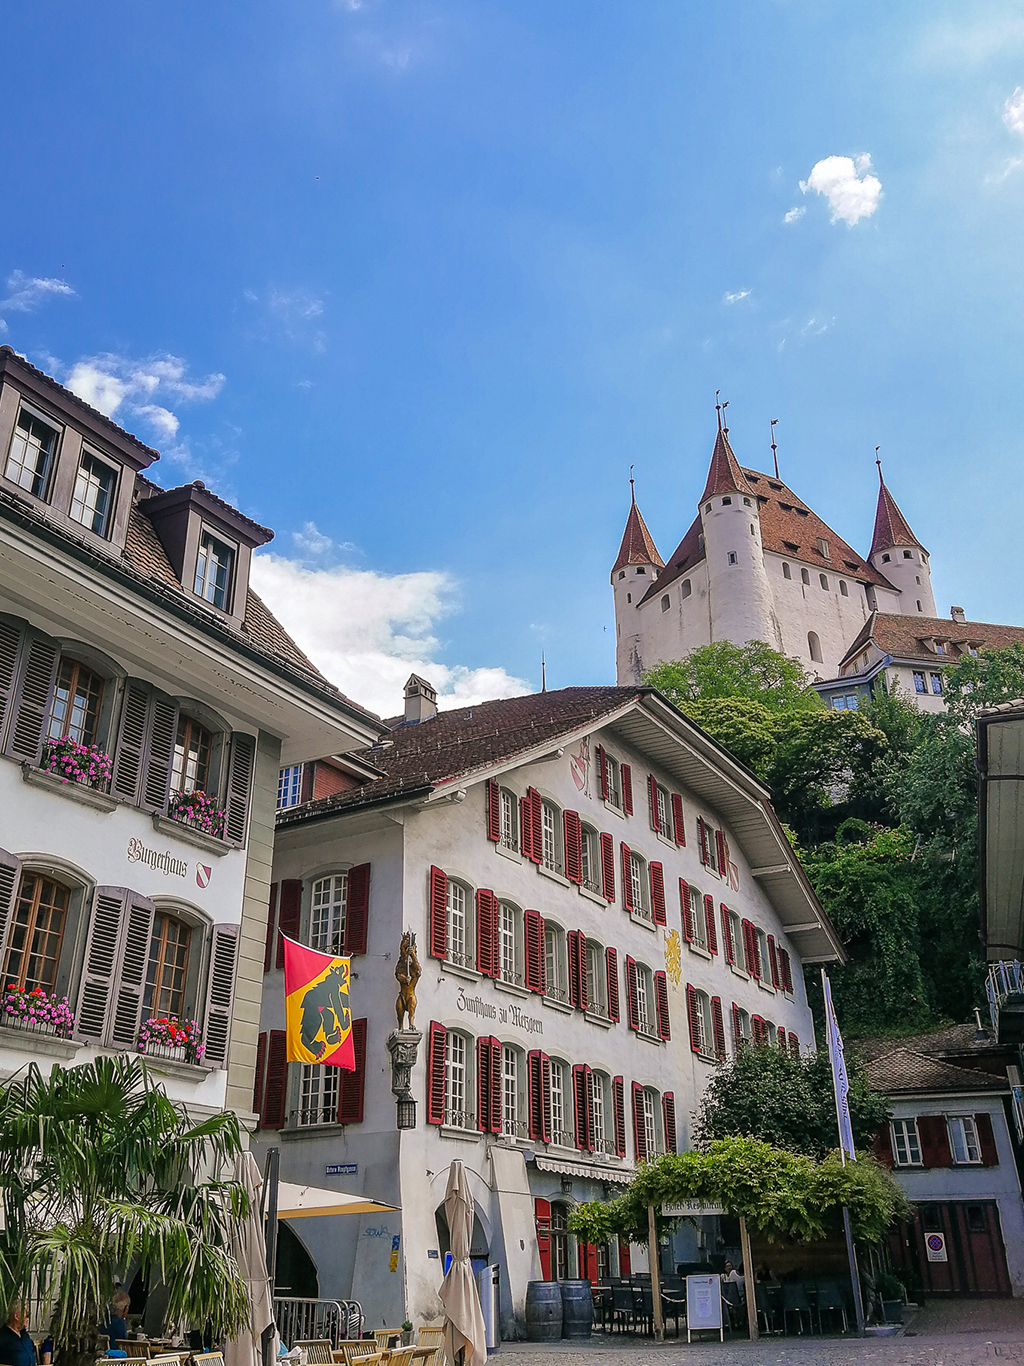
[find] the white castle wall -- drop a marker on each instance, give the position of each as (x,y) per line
(908,569)
(741,603)
(801,608)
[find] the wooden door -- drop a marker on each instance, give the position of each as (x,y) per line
(971,1237)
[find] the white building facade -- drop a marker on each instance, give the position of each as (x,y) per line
(604,907)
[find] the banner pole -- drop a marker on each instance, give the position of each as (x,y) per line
(748,1280)
(652,1247)
(851,1251)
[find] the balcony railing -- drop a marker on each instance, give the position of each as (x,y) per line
(459,1119)
(557,993)
(460,960)
(593,886)
(1005,990)
(514,1128)
(510,977)
(564,1138)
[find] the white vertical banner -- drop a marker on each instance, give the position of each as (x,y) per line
(840,1081)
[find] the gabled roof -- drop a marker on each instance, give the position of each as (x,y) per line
(891,527)
(906,1072)
(637,542)
(904,637)
(724,473)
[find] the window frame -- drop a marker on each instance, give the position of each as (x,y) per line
(614,779)
(53,457)
(639,883)
(551,832)
(115,471)
(316,1076)
(333,940)
(597,979)
(649,1105)
(646,1003)
(216,539)
(513,1125)
(904,1138)
(508,829)
(466,958)
(968,1129)
(556,962)
(28,952)
(78,666)
(189,721)
(561,1137)
(283,782)
(590,860)
(698,919)
(511,976)
(154,990)
(920,682)
(458,1117)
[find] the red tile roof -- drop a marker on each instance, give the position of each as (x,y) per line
(724,473)
(904,637)
(891,527)
(637,542)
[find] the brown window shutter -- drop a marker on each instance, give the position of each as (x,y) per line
(986,1139)
(533,934)
(750,949)
(627,881)
(794,1046)
(241,762)
(32,699)
(737,1033)
(686,910)
(661,1005)
(619,1113)
(631,994)
(353,1084)
(934,1136)
(882,1146)
(668,1113)
(534,1101)
(260,1078)
(657,875)
(757,1029)
(639,1132)
(611,962)
(130,748)
(608,867)
(11,635)
(159,755)
(573,846)
(275,1096)
(678,823)
(357,909)
(437,1041)
(493,811)
(727,939)
(773,962)
(101,961)
(484,1078)
(572,951)
(289,908)
(486,933)
(723,861)
(223,969)
(10,878)
(579,1104)
(719,1026)
(709,920)
(130,973)
(780,1035)
(602,768)
(627,788)
(691,1011)
(268,952)
(438,913)
(702,841)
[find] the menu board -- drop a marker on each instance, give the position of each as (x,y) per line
(703,1304)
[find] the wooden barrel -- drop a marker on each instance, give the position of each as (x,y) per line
(543,1311)
(577,1309)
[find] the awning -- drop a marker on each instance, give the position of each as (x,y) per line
(586,1171)
(307,1202)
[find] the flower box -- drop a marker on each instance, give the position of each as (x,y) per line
(198,810)
(71,762)
(36,1013)
(171,1038)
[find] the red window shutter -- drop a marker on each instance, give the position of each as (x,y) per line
(271,913)
(639,1132)
(486,933)
(986,1139)
(786,971)
(357,909)
(288,914)
(493,811)
(608,867)
(668,1114)
(437,1042)
(619,1113)
(536,835)
(438,915)
(627,881)
(496,1096)
(652,798)
(709,919)
(579,1104)
(657,893)
(882,1146)
(542,1215)
(588,1092)
(719,1026)
(750,948)
(934,1137)
(780,1034)
(602,768)
(526,828)
(758,1029)
(261,1063)
(581,940)
(773,962)
(702,841)
(723,860)
(727,940)
(611,962)
(277,1080)
(686,910)
(534,1102)
(627,789)
(794,1046)
(353,1084)
(678,824)
(737,1033)
(533,933)
(661,1005)
(484,1076)
(545,1096)
(633,1001)
(692,1008)
(573,846)
(572,946)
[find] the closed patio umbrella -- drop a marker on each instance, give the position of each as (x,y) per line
(465,1337)
(250,1253)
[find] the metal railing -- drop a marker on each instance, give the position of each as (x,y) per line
(317,1320)
(458,1119)
(1004,988)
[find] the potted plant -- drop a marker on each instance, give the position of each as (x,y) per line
(198,809)
(889,1289)
(35,1011)
(170,1037)
(406,1334)
(71,762)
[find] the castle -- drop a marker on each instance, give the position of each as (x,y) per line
(758,564)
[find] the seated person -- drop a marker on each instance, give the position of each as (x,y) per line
(116,1326)
(729,1273)
(16,1346)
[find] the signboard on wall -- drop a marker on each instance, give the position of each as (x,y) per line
(691,1209)
(935,1247)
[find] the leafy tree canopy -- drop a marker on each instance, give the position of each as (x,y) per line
(753,671)
(768,1094)
(984,680)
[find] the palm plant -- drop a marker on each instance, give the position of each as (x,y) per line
(100,1173)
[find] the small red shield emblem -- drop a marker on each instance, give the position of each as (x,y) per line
(203,874)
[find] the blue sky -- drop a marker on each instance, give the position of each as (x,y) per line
(415,282)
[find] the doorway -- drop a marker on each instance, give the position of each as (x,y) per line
(954,1247)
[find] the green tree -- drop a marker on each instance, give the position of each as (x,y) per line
(984,680)
(768,1094)
(100,1172)
(753,671)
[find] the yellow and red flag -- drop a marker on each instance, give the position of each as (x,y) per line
(316,1008)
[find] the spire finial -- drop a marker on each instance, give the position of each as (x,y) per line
(718,409)
(878,462)
(775,451)
(543,673)
(725,424)
(632,481)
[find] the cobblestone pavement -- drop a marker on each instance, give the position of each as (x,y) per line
(957,1333)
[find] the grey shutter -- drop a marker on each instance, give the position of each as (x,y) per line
(100,961)
(221,994)
(160,754)
(11,633)
(131,741)
(10,877)
(236,806)
(32,700)
(130,982)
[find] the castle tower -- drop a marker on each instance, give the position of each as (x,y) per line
(741,606)
(899,555)
(635,569)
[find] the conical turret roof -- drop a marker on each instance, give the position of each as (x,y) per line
(724,475)
(891,527)
(637,542)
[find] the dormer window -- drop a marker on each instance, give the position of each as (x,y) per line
(823,550)
(31,456)
(213,571)
(93,498)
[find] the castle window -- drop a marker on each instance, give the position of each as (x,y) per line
(917,577)
(936,683)
(885,559)
(629,597)
(666,603)
(908,555)
(823,549)
(919,608)
(805,577)
(747,503)
(726,502)
(786,571)
(814,646)
(843,588)
(732,557)
(622,573)
(641,570)
(823,580)
(919,682)
(752,531)
(708,508)
(687,588)
(700,542)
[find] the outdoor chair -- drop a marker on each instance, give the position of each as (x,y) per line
(318,1351)
(386,1338)
(132,1347)
(766,1309)
(430,1337)
(735,1304)
(365,1351)
(623,1308)
(795,1301)
(401,1356)
(673,1304)
(831,1301)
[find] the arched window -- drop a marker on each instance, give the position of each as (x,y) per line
(456,1080)
(726,502)
(561,1133)
(76,703)
(327,910)
(460,930)
(919,604)
(597,979)
(36,933)
(644,1000)
(741,1030)
(649,1118)
(513,1073)
(509,815)
(556,973)
(510,938)
(590,861)
(787,573)
(168,966)
(805,577)
(601,1124)
(190,769)
(814,646)
(666,602)
(823,580)
(687,588)
(638,884)
(843,588)
(551,840)
(698,921)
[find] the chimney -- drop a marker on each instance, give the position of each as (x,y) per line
(959,615)
(420,700)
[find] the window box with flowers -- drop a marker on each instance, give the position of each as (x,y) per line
(81,772)
(171,1038)
(36,1012)
(194,816)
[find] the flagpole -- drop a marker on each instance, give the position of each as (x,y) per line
(851,1251)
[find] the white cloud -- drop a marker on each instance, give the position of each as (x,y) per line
(795,214)
(27,292)
(367,632)
(97,387)
(164,421)
(311,542)
(114,383)
(1013,112)
(292,313)
(851,192)
(735,298)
